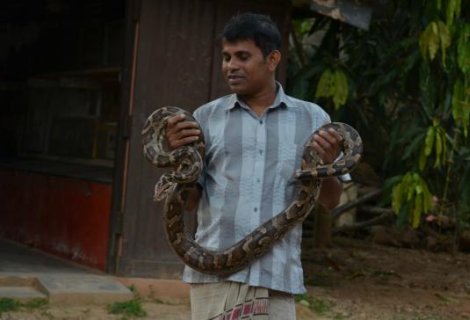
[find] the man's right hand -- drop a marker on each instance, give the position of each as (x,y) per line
(180,132)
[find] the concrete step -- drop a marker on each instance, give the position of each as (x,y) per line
(21,293)
(58,280)
(17,281)
(83,289)
(70,289)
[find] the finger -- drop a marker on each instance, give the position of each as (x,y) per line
(176,128)
(186,125)
(175,119)
(322,141)
(335,133)
(322,154)
(326,151)
(332,136)
(184,133)
(184,141)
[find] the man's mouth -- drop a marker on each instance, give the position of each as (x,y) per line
(234,79)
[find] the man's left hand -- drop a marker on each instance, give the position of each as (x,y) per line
(328,144)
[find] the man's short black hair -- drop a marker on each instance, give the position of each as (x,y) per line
(257,27)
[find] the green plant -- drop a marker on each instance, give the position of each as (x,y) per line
(405,85)
(333,84)
(411,198)
(319,306)
(34,304)
(9,305)
(443,100)
(133,289)
(128,308)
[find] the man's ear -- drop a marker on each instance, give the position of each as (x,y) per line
(273,60)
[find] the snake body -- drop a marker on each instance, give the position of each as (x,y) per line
(188,164)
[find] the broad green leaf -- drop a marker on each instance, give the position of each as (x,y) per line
(444,36)
(333,84)
(429,142)
(463,48)
(325,84)
(422,159)
(411,197)
(438,143)
(409,191)
(461,105)
(427,200)
(452,11)
(418,189)
(429,41)
(341,89)
(435,36)
(397,196)
(438,152)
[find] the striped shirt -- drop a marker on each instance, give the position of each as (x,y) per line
(250,163)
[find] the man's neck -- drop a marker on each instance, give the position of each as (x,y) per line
(262,100)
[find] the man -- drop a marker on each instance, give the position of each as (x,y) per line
(254,142)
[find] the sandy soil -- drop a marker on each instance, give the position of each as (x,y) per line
(353,280)
(359,280)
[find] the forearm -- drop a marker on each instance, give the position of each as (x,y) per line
(330,192)
(192,201)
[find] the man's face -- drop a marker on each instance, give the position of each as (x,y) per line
(244,67)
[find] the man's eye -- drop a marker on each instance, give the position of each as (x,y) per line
(244,57)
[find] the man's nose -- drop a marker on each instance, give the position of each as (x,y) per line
(232,64)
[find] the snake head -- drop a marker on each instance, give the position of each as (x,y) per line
(163,188)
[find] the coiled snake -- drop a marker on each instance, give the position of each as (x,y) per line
(188,162)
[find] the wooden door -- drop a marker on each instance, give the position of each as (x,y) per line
(173,59)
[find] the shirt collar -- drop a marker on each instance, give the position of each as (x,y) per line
(280,100)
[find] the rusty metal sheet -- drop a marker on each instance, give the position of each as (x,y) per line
(355,13)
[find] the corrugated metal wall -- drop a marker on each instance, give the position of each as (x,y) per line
(177,63)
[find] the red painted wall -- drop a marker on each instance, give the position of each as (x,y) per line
(64,216)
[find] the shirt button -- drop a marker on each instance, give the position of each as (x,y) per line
(261,122)
(261,152)
(256,209)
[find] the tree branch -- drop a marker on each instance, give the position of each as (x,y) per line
(338,211)
(385,215)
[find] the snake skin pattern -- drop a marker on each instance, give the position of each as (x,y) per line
(187,163)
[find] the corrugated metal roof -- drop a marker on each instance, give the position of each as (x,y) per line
(354,12)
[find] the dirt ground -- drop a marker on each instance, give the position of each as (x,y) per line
(360,280)
(353,280)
